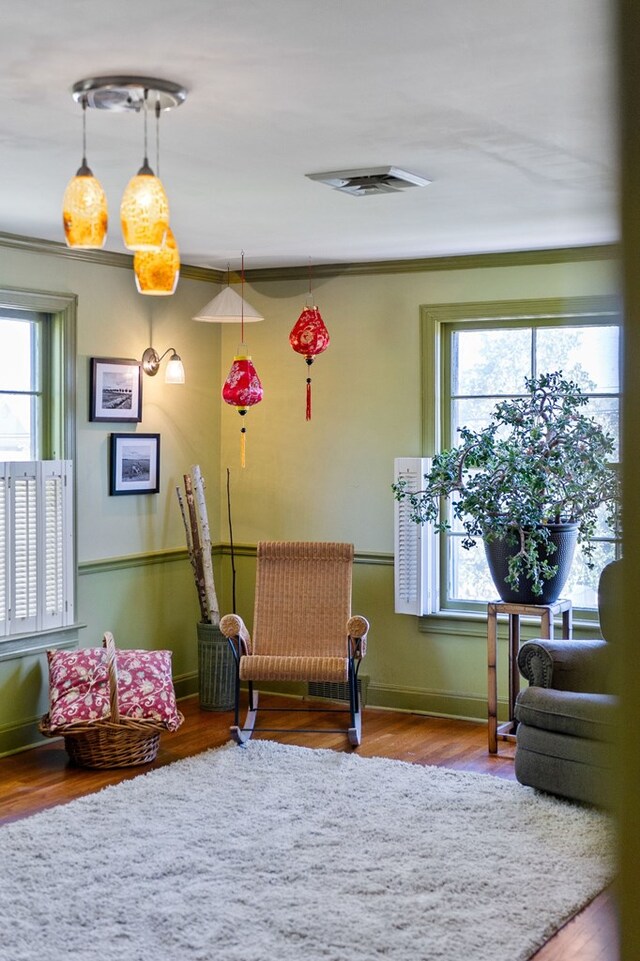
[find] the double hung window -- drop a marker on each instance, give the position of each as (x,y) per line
(24,336)
(476,355)
(37,427)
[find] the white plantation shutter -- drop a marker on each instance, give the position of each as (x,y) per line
(36,579)
(23,605)
(57,554)
(415,561)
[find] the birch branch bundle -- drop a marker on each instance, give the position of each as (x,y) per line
(190,551)
(207,563)
(196,525)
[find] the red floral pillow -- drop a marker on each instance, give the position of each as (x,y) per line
(79,687)
(145,687)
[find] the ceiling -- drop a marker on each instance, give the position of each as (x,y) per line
(506,107)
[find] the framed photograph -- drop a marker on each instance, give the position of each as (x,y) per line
(134,464)
(116,390)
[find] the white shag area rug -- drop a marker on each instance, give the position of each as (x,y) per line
(276,853)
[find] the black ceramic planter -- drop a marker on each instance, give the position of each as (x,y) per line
(564,537)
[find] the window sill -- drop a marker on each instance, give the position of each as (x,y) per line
(26,645)
(474,624)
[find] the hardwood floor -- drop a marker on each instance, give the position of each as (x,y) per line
(42,777)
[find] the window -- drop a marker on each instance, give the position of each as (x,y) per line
(22,335)
(480,354)
(37,443)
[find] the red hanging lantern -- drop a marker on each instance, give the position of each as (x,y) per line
(242,389)
(309,337)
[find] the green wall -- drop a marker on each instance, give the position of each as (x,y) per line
(130,581)
(328,479)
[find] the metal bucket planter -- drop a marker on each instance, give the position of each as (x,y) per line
(216,669)
(563,536)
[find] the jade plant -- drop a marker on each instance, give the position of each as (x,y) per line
(540,461)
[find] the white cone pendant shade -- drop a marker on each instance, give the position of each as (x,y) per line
(157,271)
(84,211)
(144,211)
(228,307)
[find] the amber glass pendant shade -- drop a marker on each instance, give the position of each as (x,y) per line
(157,271)
(144,211)
(84,211)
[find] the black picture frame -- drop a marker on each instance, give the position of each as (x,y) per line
(134,464)
(115,390)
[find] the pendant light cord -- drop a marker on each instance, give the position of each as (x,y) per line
(144,107)
(157,137)
(84,131)
(310,294)
(242,299)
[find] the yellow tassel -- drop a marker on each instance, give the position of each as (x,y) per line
(243,434)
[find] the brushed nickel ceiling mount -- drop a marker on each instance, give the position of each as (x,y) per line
(122,93)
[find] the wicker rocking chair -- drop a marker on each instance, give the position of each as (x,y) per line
(302,627)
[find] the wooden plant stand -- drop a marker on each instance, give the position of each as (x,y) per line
(546,613)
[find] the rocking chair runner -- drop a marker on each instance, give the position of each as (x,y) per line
(302,626)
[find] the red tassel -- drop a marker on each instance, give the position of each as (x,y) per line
(308,398)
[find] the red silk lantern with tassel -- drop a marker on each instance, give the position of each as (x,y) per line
(309,337)
(242,389)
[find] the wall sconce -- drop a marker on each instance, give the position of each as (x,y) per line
(174,374)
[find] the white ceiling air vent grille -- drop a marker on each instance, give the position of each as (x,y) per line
(371,180)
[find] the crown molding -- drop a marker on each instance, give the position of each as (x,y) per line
(106,258)
(508,258)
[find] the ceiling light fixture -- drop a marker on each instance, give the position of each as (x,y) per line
(157,271)
(174,374)
(144,210)
(84,205)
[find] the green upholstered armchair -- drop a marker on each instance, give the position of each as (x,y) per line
(566,716)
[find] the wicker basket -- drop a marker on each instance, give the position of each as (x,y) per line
(109,742)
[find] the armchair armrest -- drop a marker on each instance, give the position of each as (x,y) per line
(357,629)
(232,625)
(566,665)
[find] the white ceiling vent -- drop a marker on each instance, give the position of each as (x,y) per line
(371,180)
